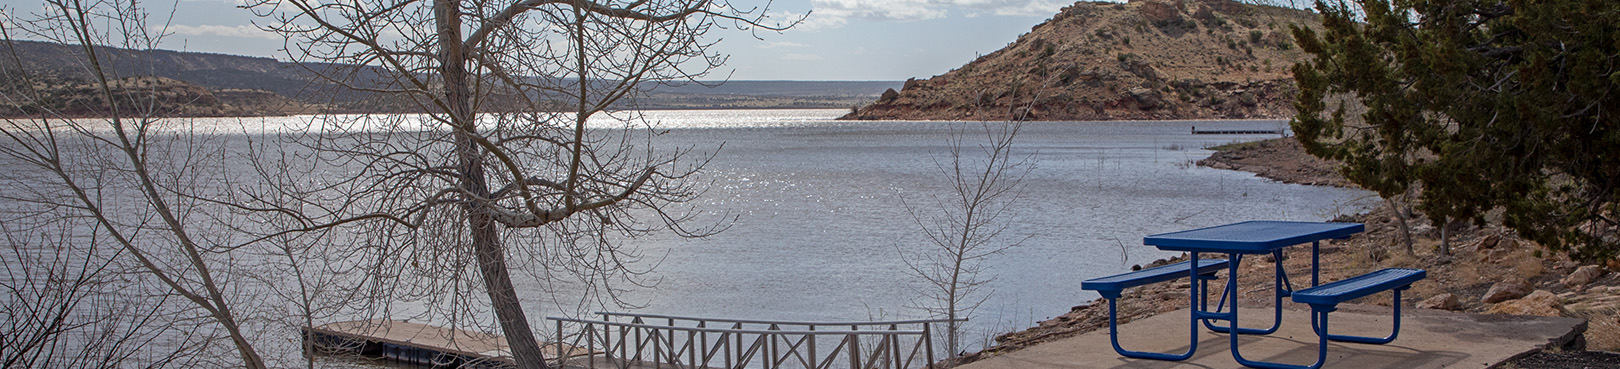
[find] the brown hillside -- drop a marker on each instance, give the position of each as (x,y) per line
(1147,59)
(137,96)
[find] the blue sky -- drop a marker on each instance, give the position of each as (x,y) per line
(841,40)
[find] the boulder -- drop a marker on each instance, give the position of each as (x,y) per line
(1539,303)
(1160,13)
(1146,98)
(1497,254)
(1444,301)
(888,95)
(1582,276)
(1509,289)
(1140,67)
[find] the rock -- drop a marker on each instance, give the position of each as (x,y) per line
(1582,276)
(1444,301)
(1140,67)
(1160,13)
(1022,113)
(1489,242)
(1509,289)
(888,95)
(1148,98)
(1248,99)
(1539,303)
(1497,254)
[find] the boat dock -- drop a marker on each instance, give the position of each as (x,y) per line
(1226,131)
(423,344)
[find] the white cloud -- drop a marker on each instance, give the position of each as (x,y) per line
(836,13)
(1035,8)
(801,57)
(783,44)
(237,31)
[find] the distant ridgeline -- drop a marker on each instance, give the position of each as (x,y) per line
(175,83)
(1147,59)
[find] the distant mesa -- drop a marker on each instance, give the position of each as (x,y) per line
(1146,59)
(191,84)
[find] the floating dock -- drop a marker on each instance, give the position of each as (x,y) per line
(1197,131)
(422,344)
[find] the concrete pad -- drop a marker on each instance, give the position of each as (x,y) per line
(1428,339)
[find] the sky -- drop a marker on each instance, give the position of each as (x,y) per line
(845,40)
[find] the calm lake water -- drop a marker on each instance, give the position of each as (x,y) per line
(819,220)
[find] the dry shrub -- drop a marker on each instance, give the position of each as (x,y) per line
(1603,329)
(1466,273)
(1528,266)
(1422,290)
(1402,260)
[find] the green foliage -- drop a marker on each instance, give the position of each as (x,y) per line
(1484,104)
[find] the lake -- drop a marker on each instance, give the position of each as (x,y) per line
(819,221)
(821,218)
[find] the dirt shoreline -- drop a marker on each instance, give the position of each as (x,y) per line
(1482,261)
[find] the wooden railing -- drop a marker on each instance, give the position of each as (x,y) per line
(622,340)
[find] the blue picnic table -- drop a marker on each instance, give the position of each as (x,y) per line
(1255,238)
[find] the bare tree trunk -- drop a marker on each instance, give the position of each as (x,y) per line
(1445,236)
(514,323)
(486,241)
(1401,219)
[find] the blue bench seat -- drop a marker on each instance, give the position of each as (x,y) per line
(1325,299)
(1331,294)
(1110,286)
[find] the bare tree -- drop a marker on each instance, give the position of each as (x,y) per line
(517,158)
(966,224)
(134,178)
(64,307)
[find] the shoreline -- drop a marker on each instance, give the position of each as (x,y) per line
(1483,261)
(189,116)
(1178,120)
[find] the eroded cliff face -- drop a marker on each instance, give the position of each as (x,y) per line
(1148,59)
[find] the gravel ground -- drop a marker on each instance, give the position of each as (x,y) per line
(1567,360)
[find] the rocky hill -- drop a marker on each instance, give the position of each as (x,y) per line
(265,86)
(137,96)
(1146,59)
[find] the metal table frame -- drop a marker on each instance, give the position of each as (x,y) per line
(1254,238)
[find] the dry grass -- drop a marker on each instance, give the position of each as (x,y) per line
(1603,330)
(1467,273)
(1528,267)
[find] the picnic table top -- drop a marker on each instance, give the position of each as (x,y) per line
(1251,237)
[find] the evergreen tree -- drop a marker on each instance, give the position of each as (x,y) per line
(1485,104)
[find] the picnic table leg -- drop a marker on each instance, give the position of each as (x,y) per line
(1276,319)
(1192,319)
(1321,350)
(1394,331)
(1316,263)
